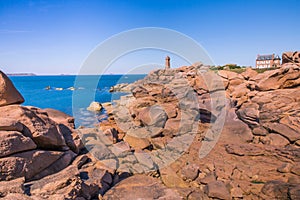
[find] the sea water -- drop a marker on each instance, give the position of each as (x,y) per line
(57,92)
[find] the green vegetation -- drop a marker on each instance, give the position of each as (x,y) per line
(257,182)
(238,69)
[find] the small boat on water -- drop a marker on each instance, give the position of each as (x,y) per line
(59,89)
(48,87)
(71,88)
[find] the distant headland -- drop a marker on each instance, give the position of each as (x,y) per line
(21,74)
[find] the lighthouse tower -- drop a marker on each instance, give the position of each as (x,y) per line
(167,63)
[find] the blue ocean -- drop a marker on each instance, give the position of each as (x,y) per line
(58,92)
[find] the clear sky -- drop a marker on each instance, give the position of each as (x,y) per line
(55,37)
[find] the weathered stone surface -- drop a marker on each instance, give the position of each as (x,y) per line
(227,74)
(170,110)
(12,142)
(13,186)
(122,87)
(195,195)
(65,184)
(56,166)
(239,91)
(95,107)
(294,192)
(120,148)
(139,92)
(111,134)
(17,196)
(248,152)
(190,172)
(217,189)
(245,149)
(145,159)
(210,177)
(277,140)
(276,190)
(141,187)
(36,124)
(260,131)
(154,115)
(135,142)
(249,113)
(8,93)
(285,168)
(80,160)
(27,164)
(173,125)
(291,57)
(296,169)
(280,78)
(97,179)
(235,128)
(60,117)
(8,124)
(171,179)
(249,73)
(283,130)
(236,192)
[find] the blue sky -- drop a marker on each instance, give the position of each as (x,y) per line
(54,37)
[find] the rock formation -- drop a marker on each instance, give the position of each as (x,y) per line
(8,93)
(256,155)
(39,153)
(291,57)
(185,133)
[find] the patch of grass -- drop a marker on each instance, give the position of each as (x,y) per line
(257,182)
(264,70)
(238,70)
(241,69)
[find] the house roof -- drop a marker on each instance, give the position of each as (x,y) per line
(264,57)
(277,57)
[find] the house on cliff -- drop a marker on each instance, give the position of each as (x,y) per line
(267,61)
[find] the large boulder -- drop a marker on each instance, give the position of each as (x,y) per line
(60,117)
(249,73)
(95,107)
(153,115)
(287,57)
(136,142)
(291,57)
(66,127)
(12,142)
(96,178)
(276,190)
(37,125)
(28,163)
(284,130)
(296,57)
(236,129)
(286,77)
(249,113)
(8,93)
(63,185)
(217,189)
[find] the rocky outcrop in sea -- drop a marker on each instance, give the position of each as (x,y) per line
(185,133)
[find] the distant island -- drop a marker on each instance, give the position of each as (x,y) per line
(21,74)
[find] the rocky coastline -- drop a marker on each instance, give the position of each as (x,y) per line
(184,133)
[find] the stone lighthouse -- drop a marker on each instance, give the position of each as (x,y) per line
(167,65)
